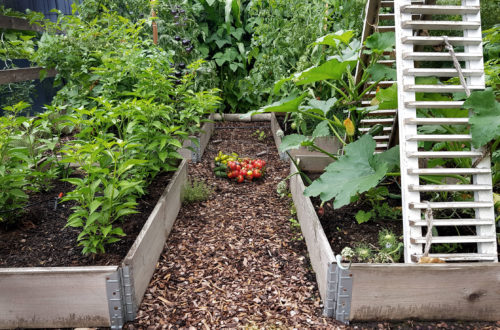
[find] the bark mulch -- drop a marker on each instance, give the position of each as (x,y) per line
(234,261)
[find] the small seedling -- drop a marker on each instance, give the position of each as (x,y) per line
(196,191)
(261,135)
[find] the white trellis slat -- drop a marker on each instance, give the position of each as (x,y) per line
(415,190)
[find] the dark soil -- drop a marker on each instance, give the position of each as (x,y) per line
(234,260)
(39,238)
(342,229)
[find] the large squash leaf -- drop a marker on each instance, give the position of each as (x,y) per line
(295,141)
(332,69)
(485,123)
(356,172)
(333,39)
(380,42)
(288,104)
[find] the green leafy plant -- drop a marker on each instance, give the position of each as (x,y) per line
(196,191)
(107,193)
(485,125)
(13,166)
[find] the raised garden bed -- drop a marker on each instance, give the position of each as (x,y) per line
(364,292)
(91,296)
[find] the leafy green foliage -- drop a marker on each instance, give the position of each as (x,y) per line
(356,172)
(13,166)
(380,42)
(128,109)
(491,48)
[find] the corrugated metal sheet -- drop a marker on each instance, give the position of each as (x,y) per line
(44,6)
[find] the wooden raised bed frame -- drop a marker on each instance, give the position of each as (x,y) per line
(108,296)
(365,292)
(94,296)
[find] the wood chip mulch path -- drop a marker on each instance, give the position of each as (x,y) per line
(234,261)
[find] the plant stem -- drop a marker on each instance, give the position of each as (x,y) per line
(324,151)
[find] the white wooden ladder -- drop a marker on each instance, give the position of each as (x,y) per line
(415,54)
(379,17)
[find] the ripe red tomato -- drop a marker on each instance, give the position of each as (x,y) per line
(238,166)
(235,173)
(243,172)
(249,166)
(257,173)
(258,164)
(231,165)
(239,178)
(230,175)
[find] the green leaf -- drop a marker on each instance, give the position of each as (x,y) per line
(390,157)
(324,106)
(92,218)
(233,67)
(333,69)
(388,98)
(322,129)
(130,163)
(124,212)
(279,84)
(380,42)
(485,123)
(381,72)
(74,181)
(362,216)
(289,104)
(18,193)
(105,230)
(355,172)
(333,39)
(118,231)
(94,205)
(292,141)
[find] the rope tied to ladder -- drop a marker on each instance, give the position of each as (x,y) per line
(429,219)
(450,49)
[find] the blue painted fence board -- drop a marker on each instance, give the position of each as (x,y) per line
(44,91)
(43,6)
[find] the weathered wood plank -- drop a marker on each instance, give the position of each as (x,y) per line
(17,23)
(23,74)
(320,252)
(54,297)
(314,163)
(144,254)
(310,160)
(206,132)
(427,292)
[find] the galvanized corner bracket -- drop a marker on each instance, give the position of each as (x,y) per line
(344,295)
(121,303)
(330,303)
(338,293)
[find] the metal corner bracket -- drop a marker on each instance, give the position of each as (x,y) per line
(338,293)
(120,292)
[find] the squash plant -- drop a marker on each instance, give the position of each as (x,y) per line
(359,169)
